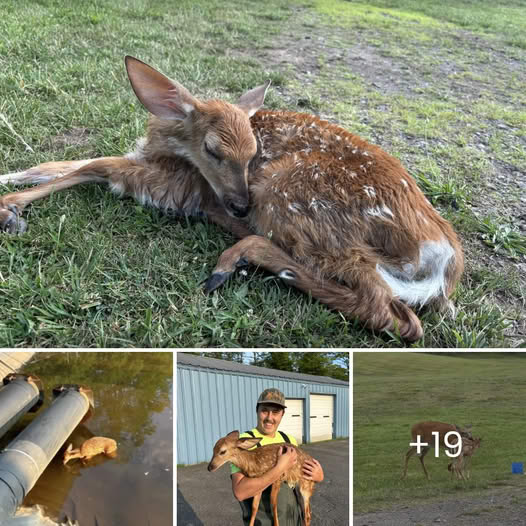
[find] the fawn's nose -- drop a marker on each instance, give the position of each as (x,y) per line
(238,209)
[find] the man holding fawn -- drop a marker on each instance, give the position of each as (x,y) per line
(270,409)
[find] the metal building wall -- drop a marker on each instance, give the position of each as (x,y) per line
(211,403)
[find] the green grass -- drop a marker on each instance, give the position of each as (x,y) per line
(394,391)
(93,270)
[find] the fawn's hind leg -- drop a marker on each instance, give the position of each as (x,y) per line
(44,172)
(369,299)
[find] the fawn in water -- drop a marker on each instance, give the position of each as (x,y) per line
(257,462)
(327,212)
(90,448)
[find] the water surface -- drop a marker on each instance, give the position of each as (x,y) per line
(133,394)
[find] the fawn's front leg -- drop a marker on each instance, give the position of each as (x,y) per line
(255,506)
(77,172)
(274,492)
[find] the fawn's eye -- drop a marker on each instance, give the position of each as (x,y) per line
(213,154)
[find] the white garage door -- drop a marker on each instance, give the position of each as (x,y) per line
(292,421)
(321,416)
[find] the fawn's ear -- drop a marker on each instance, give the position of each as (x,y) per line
(252,100)
(161,96)
(247,443)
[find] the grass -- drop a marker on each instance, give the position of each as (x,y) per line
(93,270)
(394,391)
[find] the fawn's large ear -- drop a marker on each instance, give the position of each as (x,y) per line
(247,443)
(252,100)
(161,96)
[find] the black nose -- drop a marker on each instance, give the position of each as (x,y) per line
(239,210)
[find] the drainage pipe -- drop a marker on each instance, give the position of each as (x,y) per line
(25,458)
(20,393)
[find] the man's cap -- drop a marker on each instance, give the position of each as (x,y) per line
(272,396)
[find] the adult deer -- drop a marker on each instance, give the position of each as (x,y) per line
(327,212)
(425,431)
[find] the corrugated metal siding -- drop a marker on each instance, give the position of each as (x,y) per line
(210,404)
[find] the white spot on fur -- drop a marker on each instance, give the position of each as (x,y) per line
(294,207)
(353,174)
(435,256)
(370,191)
(404,182)
(380,211)
(422,217)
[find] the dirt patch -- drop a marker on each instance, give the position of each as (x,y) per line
(76,137)
(505,506)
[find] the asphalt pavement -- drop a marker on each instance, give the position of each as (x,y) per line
(206,499)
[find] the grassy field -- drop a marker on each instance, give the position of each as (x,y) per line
(393,391)
(439,87)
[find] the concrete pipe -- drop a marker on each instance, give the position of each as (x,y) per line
(19,394)
(27,456)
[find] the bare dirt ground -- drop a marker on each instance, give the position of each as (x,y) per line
(503,507)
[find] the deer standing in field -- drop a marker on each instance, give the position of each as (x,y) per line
(327,212)
(425,431)
(257,462)
(462,464)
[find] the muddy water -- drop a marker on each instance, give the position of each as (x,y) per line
(133,405)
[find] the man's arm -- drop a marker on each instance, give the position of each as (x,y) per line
(246,487)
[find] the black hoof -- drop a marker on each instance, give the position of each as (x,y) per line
(242,262)
(11,222)
(216,280)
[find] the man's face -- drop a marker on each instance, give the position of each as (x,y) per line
(269,418)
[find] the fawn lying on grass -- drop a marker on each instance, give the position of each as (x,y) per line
(90,448)
(257,462)
(323,209)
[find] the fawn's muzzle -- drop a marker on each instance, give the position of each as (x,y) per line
(237,209)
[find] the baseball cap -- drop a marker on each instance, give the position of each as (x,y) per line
(272,396)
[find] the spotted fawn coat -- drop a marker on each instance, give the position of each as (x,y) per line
(329,213)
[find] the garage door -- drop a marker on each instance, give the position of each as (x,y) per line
(292,421)
(321,416)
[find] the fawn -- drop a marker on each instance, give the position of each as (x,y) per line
(90,448)
(462,463)
(425,431)
(257,462)
(327,212)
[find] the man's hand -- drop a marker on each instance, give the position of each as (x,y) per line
(286,457)
(312,470)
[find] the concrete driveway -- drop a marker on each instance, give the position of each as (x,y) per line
(206,499)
